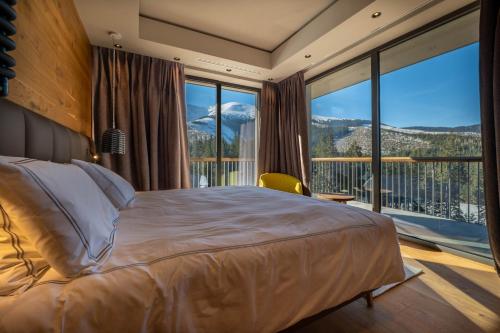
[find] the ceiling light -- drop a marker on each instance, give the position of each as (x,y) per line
(115,36)
(177,58)
(307,56)
(270,79)
(228,69)
(376,14)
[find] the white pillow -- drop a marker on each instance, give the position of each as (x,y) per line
(117,189)
(60,210)
(20,264)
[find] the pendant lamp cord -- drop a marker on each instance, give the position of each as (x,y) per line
(113,87)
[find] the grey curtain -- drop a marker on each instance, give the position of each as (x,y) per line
(150,108)
(284,144)
(268,156)
(489,64)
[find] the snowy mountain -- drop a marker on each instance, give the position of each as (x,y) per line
(325,122)
(462,129)
(202,121)
(346,133)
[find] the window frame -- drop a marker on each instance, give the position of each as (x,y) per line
(374,55)
(219,86)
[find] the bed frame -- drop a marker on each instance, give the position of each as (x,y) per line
(368,296)
(26,134)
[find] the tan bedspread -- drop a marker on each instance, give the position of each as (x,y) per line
(217,260)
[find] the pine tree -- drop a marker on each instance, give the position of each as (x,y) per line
(354,150)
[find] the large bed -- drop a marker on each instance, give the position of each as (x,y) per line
(232,259)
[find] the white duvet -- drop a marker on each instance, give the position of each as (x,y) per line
(226,259)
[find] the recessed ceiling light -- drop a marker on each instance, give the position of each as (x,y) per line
(177,58)
(228,69)
(115,37)
(307,56)
(376,14)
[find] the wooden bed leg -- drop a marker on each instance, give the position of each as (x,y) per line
(369,299)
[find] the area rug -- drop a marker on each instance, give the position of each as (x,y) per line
(410,272)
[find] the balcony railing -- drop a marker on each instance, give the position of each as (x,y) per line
(235,171)
(450,188)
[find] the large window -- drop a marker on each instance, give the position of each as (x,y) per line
(221,134)
(341,145)
(431,140)
(430,177)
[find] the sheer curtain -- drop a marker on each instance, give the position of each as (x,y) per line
(246,153)
(150,108)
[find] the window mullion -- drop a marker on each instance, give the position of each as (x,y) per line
(218,135)
(376,153)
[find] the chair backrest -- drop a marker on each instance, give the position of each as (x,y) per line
(281,182)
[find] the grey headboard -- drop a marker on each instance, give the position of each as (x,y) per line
(27,134)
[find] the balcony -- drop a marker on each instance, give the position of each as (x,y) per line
(235,172)
(435,199)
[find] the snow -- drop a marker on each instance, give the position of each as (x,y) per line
(233,116)
(329,118)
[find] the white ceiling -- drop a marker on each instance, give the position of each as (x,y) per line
(192,30)
(263,24)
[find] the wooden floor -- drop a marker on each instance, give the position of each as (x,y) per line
(453,295)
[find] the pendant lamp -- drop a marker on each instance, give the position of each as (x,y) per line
(113,139)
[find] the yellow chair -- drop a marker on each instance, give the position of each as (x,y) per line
(281,182)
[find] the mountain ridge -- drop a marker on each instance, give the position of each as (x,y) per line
(202,120)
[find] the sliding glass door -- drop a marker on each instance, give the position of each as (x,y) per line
(425,90)
(431,139)
(341,131)
(222,134)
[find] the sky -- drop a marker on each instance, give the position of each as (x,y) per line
(441,91)
(200,95)
(237,96)
(205,96)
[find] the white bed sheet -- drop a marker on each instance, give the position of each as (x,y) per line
(226,259)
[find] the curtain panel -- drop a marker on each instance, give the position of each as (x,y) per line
(489,67)
(268,156)
(150,108)
(284,144)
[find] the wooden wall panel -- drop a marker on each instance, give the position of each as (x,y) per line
(53,63)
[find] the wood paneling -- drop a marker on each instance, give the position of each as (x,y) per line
(453,295)
(53,63)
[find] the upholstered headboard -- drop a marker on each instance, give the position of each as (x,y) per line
(25,133)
